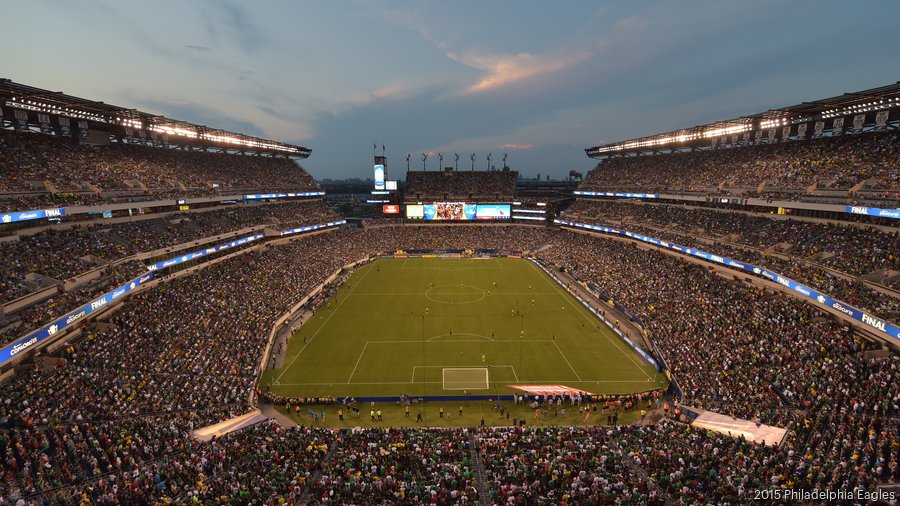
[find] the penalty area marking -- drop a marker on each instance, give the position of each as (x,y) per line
(413,379)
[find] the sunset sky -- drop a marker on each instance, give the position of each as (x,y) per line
(538,80)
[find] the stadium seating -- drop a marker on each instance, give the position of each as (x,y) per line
(847,248)
(759,240)
(60,173)
(499,185)
(111,421)
(839,162)
(108,419)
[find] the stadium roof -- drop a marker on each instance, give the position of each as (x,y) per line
(849,104)
(21,96)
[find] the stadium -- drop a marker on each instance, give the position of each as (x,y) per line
(711,315)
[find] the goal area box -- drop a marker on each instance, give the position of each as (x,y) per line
(466,378)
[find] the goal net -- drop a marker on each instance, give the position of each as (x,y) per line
(465,378)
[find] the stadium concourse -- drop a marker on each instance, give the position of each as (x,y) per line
(105,414)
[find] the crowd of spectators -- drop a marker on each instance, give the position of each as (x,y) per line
(849,248)
(745,352)
(27,160)
(561,465)
(839,162)
(110,422)
(460,184)
(60,302)
(398,466)
(63,253)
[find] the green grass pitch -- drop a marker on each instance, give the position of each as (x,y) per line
(397,324)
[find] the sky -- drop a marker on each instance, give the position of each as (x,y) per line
(538,80)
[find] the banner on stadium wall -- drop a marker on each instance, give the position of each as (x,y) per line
(866,319)
(611,194)
(202,253)
(282,195)
(32,215)
(874,211)
(310,228)
(36,337)
(548,390)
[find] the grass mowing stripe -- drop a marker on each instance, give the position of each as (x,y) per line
(323,325)
(587,317)
(372,341)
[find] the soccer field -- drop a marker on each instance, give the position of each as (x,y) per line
(449,326)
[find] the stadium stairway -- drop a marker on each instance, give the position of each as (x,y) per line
(316,476)
(483,489)
(638,470)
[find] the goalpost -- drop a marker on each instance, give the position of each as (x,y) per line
(466,378)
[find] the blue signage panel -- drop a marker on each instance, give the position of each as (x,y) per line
(208,251)
(32,215)
(282,195)
(612,194)
(874,211)
(866,319)
(36,337)
(310,228)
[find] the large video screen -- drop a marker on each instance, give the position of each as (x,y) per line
(415,212)
(449,211)
(493,212)
(379,177)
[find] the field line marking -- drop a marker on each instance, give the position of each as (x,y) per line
(586,317)
(460,341)
(415,367)
(566,359)
(334,312)
(498,262)
(357,362)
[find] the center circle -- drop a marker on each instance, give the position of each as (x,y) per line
(455,294)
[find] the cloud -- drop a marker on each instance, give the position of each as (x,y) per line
(516,147)
(393,91)
(503,70)
(200,49)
